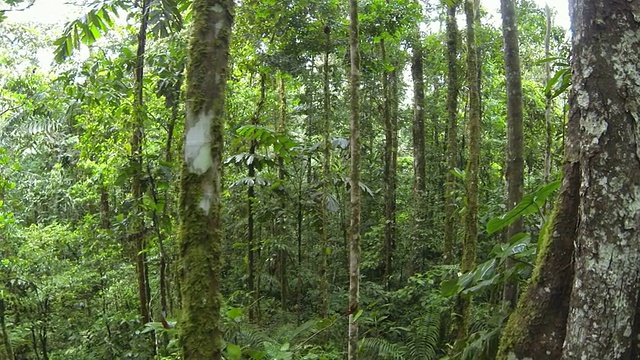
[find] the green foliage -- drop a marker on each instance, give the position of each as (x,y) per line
(86,30)
(66,210)
(531,203)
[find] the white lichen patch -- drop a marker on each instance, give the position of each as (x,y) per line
(207,196)
(594,126)
(197,145)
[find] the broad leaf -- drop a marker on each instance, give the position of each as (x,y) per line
(530,204)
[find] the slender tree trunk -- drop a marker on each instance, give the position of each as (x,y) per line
(515,137)
(417,75)
(201,229)
(418,140)
(548,102)
(354,141)
(254,309)
(453,88)
(6,352)
(138,235)
(388,174)
(326,179)
(105,213)
(393,176)
(280,227)
(473,165)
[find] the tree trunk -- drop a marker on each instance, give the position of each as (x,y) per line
(138,236)
(548,102)
(253,290)
(201,229)
(537,326)
(389,173)
(281,223)
(606,91)
(452,132)
(326,179)
(418,140)
(592,312)
(515,137)
(354,141)
(6,351)
(471,218)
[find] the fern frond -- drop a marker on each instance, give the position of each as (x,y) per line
(377,348)
(424,339)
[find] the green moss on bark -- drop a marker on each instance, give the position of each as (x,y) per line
(536,328)
(200,235)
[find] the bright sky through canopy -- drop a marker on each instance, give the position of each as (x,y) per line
(60,11)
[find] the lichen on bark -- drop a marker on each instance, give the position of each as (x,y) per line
(200,233)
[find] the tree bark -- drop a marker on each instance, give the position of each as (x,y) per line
(6,352)
(473,165)
(201,230)
(326,178)
(389,171)
(548,102)
(280,223)
(606,90)
(253,290)
(586,308)
(452,132)
(515,136)
(354,141)
(138,236)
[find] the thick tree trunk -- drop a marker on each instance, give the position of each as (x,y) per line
(515,137)
(452,132)
(606,90)
(354,141)
(592,312)
(537,326)
(201,229)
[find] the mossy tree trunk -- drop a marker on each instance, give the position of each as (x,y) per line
(548,101)
(418,139)
(280,223)
(389,171)
(582,302)
(201,230)
(326,178)
(452,132)
(138,227)
(252,247)
(515,137)
(473,165)
(354,143)
(606,91)
(6,352)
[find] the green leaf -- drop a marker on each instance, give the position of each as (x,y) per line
(357,315)
(234,352)
(235,313)
(449,287)
(529,205)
